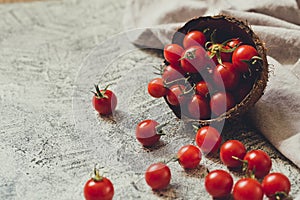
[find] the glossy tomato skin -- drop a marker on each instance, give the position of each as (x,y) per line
(202,88)
(172,53)
(259,162)
(172,73)
(247,189)
(218,183)
(156,88)
(194,59)
(194,38)
(221,102)
(99,190)
(146,133)
(105,106)
(243,52)
(189,156)
(232,148)
(158,176)
(208,139)
(198,107)
(275,183)
(226,76)
(175,95)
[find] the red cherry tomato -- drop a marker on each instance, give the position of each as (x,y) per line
(172,73)
(276,185)
(189,156)
(198,107)
(221,102)
(202,88)
(104,101)
(146,132)
(172,53)
(235,42)
(208,139)
(156,88)
(218,183)
(193,59)
(232,148)
(247,189)
(194,38)
(241,54)
(175,95)
(158,176)
(98,188)
(258,162)
(226,76)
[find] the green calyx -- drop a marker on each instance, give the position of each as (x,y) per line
(96,175)
(100,94)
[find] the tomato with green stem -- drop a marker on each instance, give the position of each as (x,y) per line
(176,95)
(194,59)
(98,187)
(257,163)
(157,88)
(104,101)
(276,186)
(148,132)
(231,152)
(243,57)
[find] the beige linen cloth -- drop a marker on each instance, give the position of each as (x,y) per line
(277,23)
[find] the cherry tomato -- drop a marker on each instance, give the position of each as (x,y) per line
(198,107)
(235,42)
(172,73)
(193,59)
(276,185)
(232,148)
(158,176)
(241,54)
(172,53)
(146,132)
(156,88)
(202,88)
(194,38)
(247,189)
(208,139)
(226,76)
(98,188)
(258,162)
(104,101)
(175,95)
(189,156)
(221,102)
(218,183)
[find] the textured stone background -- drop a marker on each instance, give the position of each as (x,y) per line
(50,136)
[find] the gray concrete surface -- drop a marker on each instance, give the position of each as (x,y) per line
(50,136)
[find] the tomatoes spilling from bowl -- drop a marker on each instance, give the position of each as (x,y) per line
(204,78)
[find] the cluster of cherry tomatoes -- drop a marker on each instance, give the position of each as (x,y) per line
(198,78)
(204,79)
(218,183)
